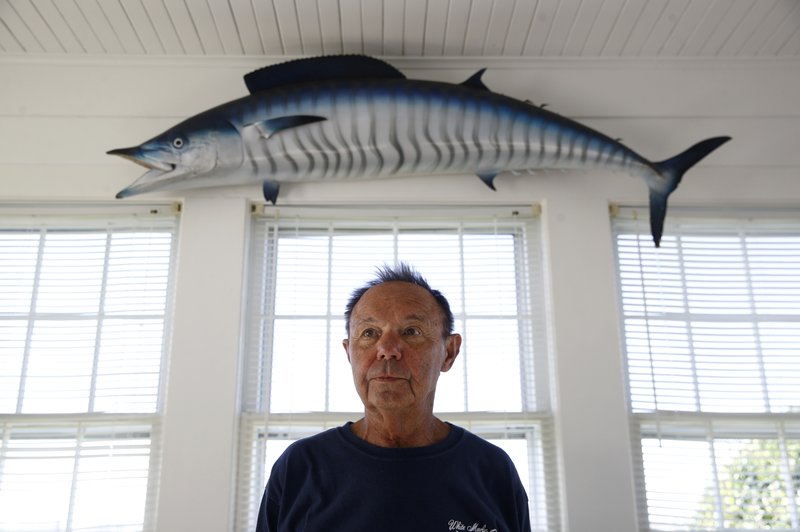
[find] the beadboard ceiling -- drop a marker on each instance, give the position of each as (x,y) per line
(416,28)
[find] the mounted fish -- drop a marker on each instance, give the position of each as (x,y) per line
(348,117)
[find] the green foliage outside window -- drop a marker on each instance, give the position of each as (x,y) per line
(758,489)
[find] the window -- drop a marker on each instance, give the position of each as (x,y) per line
(84,299)
(297,379)
(712,342)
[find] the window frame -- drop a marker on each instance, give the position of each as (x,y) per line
(535,425)
(94,427)
(714,428)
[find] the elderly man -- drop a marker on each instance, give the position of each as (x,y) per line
(399,468)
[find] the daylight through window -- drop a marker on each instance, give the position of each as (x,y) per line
(712,342)
(297,378)
(84,299)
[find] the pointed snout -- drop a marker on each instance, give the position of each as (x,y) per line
(133,154)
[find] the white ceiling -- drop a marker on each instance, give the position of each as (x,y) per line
(430,28)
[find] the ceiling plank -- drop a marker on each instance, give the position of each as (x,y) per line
(8,42)
(687,25)
(499,24)
(98,21)
(561,27)
(143,26)
(61,30)
(435,26)
(603,27)
(184,26)
(330,27)
(518,30)
(393,21)
(456,31)
(310,31)
(480,14)
(623,28)
(725,27)
(584,21)
(643,28)
(665,26)
(540,28)
(13,18)
(414,21)
(245,25)
(229,33)
(205,28)
(783,32)
(288,27)
(122,27)
(372,26)
(269,33)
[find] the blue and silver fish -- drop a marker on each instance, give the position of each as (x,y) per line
(348,117)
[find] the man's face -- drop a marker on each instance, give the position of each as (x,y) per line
(397,347)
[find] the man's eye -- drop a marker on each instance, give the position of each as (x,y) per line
(369,333)
(412,331)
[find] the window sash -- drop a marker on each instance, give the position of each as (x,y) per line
(322,318)
(93,291)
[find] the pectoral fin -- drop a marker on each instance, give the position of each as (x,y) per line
(267,128)
(271,189)
(488,179)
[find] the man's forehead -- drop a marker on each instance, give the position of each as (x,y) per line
(398,296)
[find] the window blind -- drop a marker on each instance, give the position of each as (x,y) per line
(84,306)
(712,342)
(298,382)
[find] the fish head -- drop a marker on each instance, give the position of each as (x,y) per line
(182,156)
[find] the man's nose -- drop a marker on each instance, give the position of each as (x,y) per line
(389,346)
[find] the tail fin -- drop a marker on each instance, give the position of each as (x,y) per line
(672,171)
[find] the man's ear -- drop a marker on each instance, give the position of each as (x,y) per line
(346,345)
(452,347)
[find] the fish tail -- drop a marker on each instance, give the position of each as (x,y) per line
(670,172)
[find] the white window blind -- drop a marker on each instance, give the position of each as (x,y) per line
(84,306)
(712,342)
(297,379)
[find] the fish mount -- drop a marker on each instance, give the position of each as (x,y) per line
(358,117)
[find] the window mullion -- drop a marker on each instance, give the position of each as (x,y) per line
(26,353)
(462,286)
(99,328)
(688,317)
(751,298)
(786,470)
(718,502)
(73,490)
(328,332)
(268,322)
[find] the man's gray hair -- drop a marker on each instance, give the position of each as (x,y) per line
(403,273)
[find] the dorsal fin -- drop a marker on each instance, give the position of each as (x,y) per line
(324,68)
(475,81)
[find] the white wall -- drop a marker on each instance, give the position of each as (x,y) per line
(59,117)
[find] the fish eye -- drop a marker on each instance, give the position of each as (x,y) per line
(177,143)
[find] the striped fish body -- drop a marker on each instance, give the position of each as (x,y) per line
(320,118)
(383,128)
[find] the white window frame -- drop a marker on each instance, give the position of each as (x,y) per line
(532,423)
(133,434)
(660,429)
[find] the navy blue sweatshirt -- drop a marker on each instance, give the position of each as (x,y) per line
(334,481)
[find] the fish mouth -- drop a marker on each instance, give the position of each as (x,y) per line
(158,172)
